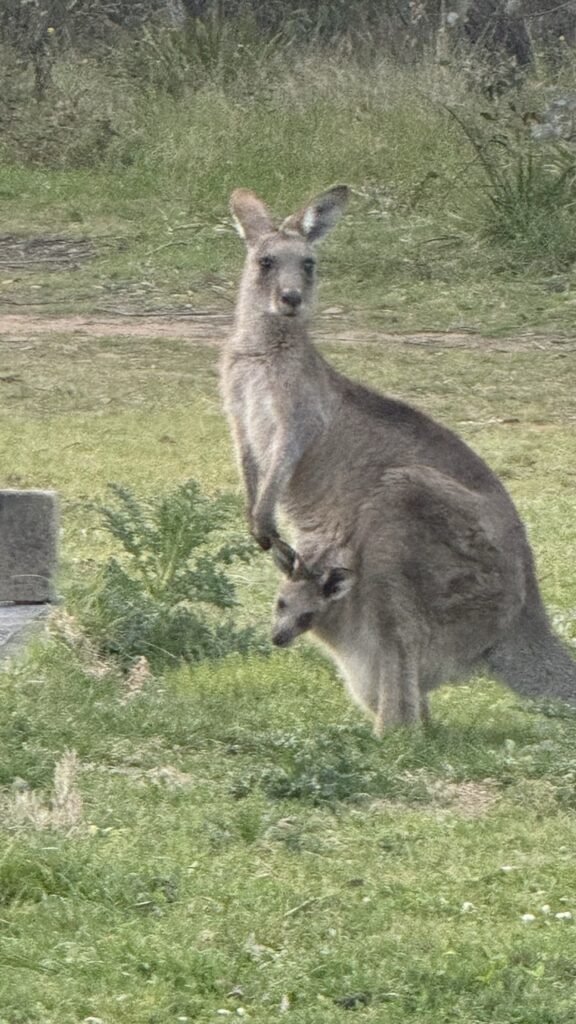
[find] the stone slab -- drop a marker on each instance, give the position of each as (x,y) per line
(16,624)
(28,546)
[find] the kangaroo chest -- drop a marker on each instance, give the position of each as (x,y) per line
(255,411)
(281,414)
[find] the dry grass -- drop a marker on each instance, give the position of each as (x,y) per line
(61,810)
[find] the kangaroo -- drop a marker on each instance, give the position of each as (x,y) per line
(330,601)
(321,448)
(424,595)
(421,596)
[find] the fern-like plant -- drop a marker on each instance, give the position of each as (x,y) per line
(166,594)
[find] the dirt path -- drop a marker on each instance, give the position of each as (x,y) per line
(212,327)
(205,329)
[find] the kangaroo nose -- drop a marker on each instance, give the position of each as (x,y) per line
(281,639)
(291,297)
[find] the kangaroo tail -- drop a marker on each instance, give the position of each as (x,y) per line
(532,660)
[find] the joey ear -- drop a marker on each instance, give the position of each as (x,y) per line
(300,570)
(251,217)
(317,217)
(285,558)
(337,583)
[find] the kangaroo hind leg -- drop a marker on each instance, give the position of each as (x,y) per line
(399,698)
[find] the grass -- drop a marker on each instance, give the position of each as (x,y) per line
(419,249)
(232,838)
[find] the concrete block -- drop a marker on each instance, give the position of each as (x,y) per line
(18,623)
(28,546)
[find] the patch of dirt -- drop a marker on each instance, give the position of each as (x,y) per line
(466,799)
(49,252)
(209,329)
(463,799)
(212,326)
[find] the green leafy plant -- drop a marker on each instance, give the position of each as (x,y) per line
(164,595)
(336,763)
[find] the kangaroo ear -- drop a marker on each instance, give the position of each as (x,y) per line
(301,571)
(317,217)
(251,217)
(285,558)
(337,583)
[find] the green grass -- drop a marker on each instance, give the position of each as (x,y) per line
(240,830)
(415,251)
(170,895)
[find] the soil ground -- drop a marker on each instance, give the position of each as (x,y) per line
(211,328)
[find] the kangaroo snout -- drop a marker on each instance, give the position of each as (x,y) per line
(291,300)
(282,638)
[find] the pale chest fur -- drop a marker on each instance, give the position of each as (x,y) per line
(252,409)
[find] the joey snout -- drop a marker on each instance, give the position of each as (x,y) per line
(282,638)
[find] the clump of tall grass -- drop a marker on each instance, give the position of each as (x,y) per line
(60,811)
(200,51)
(528,178)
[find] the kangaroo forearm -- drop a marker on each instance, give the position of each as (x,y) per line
(264,511)
(272,487)
(250,476)
(263,517)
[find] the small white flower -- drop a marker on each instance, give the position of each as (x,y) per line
(467,907)
(527,918)
(545,909)
(564,915)
(508,867)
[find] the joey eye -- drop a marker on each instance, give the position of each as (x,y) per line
(266,262)
(305,621)
(309,265)
(281,604)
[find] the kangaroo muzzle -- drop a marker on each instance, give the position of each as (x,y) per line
(282,638)
(290,301)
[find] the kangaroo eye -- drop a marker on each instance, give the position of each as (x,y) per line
(266,262)
(305,621)
(281,604)
(309,265)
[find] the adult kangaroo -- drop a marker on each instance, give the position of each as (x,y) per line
(319,446)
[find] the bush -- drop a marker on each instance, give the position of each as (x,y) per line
(529,177)
(164,595)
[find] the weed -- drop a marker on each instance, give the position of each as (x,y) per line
(160,600)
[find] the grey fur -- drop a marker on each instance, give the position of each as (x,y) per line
(445,579)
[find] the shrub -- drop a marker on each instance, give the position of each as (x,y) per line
(164,594)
